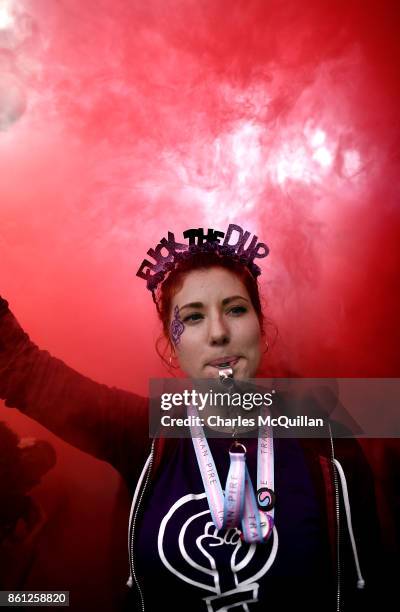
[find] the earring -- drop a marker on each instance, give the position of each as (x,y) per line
(266,347)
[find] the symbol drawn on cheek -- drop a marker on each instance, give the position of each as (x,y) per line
(177,327)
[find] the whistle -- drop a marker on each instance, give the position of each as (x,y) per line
(226,376)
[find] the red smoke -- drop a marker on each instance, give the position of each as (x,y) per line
(143,117)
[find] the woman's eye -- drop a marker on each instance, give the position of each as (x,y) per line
(196,316)
(238,310)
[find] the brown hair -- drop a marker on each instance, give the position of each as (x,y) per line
(176,277)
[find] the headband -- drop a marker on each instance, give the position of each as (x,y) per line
(232,243)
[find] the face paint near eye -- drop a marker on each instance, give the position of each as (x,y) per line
(177,327)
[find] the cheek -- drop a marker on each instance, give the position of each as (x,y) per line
(251,333)
(188,344)
(189,351)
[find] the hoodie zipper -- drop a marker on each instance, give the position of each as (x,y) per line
(132,534)
(337,510)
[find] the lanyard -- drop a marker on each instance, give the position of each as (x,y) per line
(239,504)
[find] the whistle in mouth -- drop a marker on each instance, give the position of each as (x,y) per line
(225,375)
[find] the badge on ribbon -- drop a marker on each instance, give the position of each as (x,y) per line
(265,499)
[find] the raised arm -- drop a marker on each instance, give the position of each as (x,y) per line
(108,423)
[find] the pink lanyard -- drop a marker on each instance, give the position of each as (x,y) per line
(239,504)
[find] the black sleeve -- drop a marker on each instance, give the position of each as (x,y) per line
(106,422)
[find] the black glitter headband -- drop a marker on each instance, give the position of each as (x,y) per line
(233,246)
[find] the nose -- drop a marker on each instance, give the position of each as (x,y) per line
(218,331)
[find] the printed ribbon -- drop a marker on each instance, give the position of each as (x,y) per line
(239,504)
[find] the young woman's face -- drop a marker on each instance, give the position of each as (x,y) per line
(218,325)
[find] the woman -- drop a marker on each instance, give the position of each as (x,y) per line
(208,301)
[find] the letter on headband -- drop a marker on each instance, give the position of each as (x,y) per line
(168,252)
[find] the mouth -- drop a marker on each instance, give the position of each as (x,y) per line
(224,362)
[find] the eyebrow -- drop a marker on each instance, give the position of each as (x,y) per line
(225,301)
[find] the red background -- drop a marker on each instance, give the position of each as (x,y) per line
(121,120)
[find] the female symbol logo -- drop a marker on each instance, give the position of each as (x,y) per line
(265,499)
(219,563)
(177,327)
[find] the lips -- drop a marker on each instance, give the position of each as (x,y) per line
(224,361)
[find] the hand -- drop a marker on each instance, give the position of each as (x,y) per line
(3,306)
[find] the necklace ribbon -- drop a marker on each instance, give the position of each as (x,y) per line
(239,504)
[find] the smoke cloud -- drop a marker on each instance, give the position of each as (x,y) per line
(123,120)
